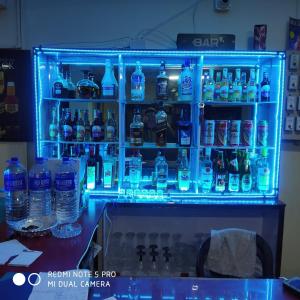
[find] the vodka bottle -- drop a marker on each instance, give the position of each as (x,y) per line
(108,170)
(237,86)
(186,83)
(161,171)
(15,186)
(67,202)
(40,199)
(209,86)
(234,176)
(224,89)
(109,81)
(91,170)
(183,172)
(206,172)
(251,88)
(135,170)
(263,172)
(138,83)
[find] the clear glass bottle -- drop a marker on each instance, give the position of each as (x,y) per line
(108,170)
(206,172)
(137,129)
(246,177)
(237,86)
(91,170)
(162,83)
(186,83)
(53,126)
(209,86)
(220,173)
(71,85)
(244,86)
(110,127)
(138,83)
(108,83)
(161,171)
(161,120)
(263,172)
(251,88)
(265,88)
(230,87)
(224,88)
(184,173)
(135,170)
(234,175)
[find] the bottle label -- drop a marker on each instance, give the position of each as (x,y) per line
(108,90)
(237,93)
(15,182)
(136,136)
(110,132)
(263,179)
(162,88)
(265,91)
(187,86)
(246,183)
(41,183)
(53,131)
(185,138)
(57,89)
(251,92)
(224,92)
(97,131)
(183,175)
(67,131)
(137,86)
(206,178)
(65,181)
(91,177)
(107,174)
(220,182)
(80,132)
(234,182)
(209,92)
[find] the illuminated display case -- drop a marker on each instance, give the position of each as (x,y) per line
(239,128)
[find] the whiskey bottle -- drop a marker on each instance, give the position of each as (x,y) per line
(137,129)
(60,85)
(80,131)
(110,127)
(67,127)
(87,126)
(161,126)
(162,83)
(184,130)
(97,131)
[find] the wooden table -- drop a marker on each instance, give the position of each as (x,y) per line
(177,289)
(58,254)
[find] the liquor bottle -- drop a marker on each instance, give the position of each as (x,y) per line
(96,89)
(138,83)
(183,172)
(60,85)
(137,129)
(67,128)
(204,84)
(184,130)
(224,89)
(251,88)
(230,87)
(135,170)
(186,83)
(108,82)
(234,176)
(71,85)
(263,172)
(61,123)
(161,171)
(86,88)
(206,172)
(209,86)
(237,86)
(87,126)
(246,178)
(265,88)
(244,86)
(162,83)
(220,173)
(11,102)
(108,164)
(80,131)
(91,170)
(99,165)
(74,126)
(97,131)
(53,126)
(110,127)
(161,126)
(217,94)
(179,83)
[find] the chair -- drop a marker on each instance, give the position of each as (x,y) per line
(263,253)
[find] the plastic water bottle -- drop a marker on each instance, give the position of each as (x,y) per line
(67,203)
(39,189)
(16,198)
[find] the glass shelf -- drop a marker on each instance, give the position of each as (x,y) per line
(220,103)
(80,100)
(236,147)
(80,143)
(154,146)
(157,101)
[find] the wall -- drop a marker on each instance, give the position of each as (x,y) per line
(79,23)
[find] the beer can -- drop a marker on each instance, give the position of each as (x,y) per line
(235,133)
(221,133)
(209,132)
(247,132)
(262,133)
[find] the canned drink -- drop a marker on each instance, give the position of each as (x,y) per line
(221,133)
(235,133)
(262,133)
(247,132)
(209,132)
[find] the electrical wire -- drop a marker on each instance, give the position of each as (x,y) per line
(109,232)
(158,32)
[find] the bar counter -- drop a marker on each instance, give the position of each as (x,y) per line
(58,254)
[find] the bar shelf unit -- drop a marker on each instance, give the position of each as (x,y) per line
(123,61)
